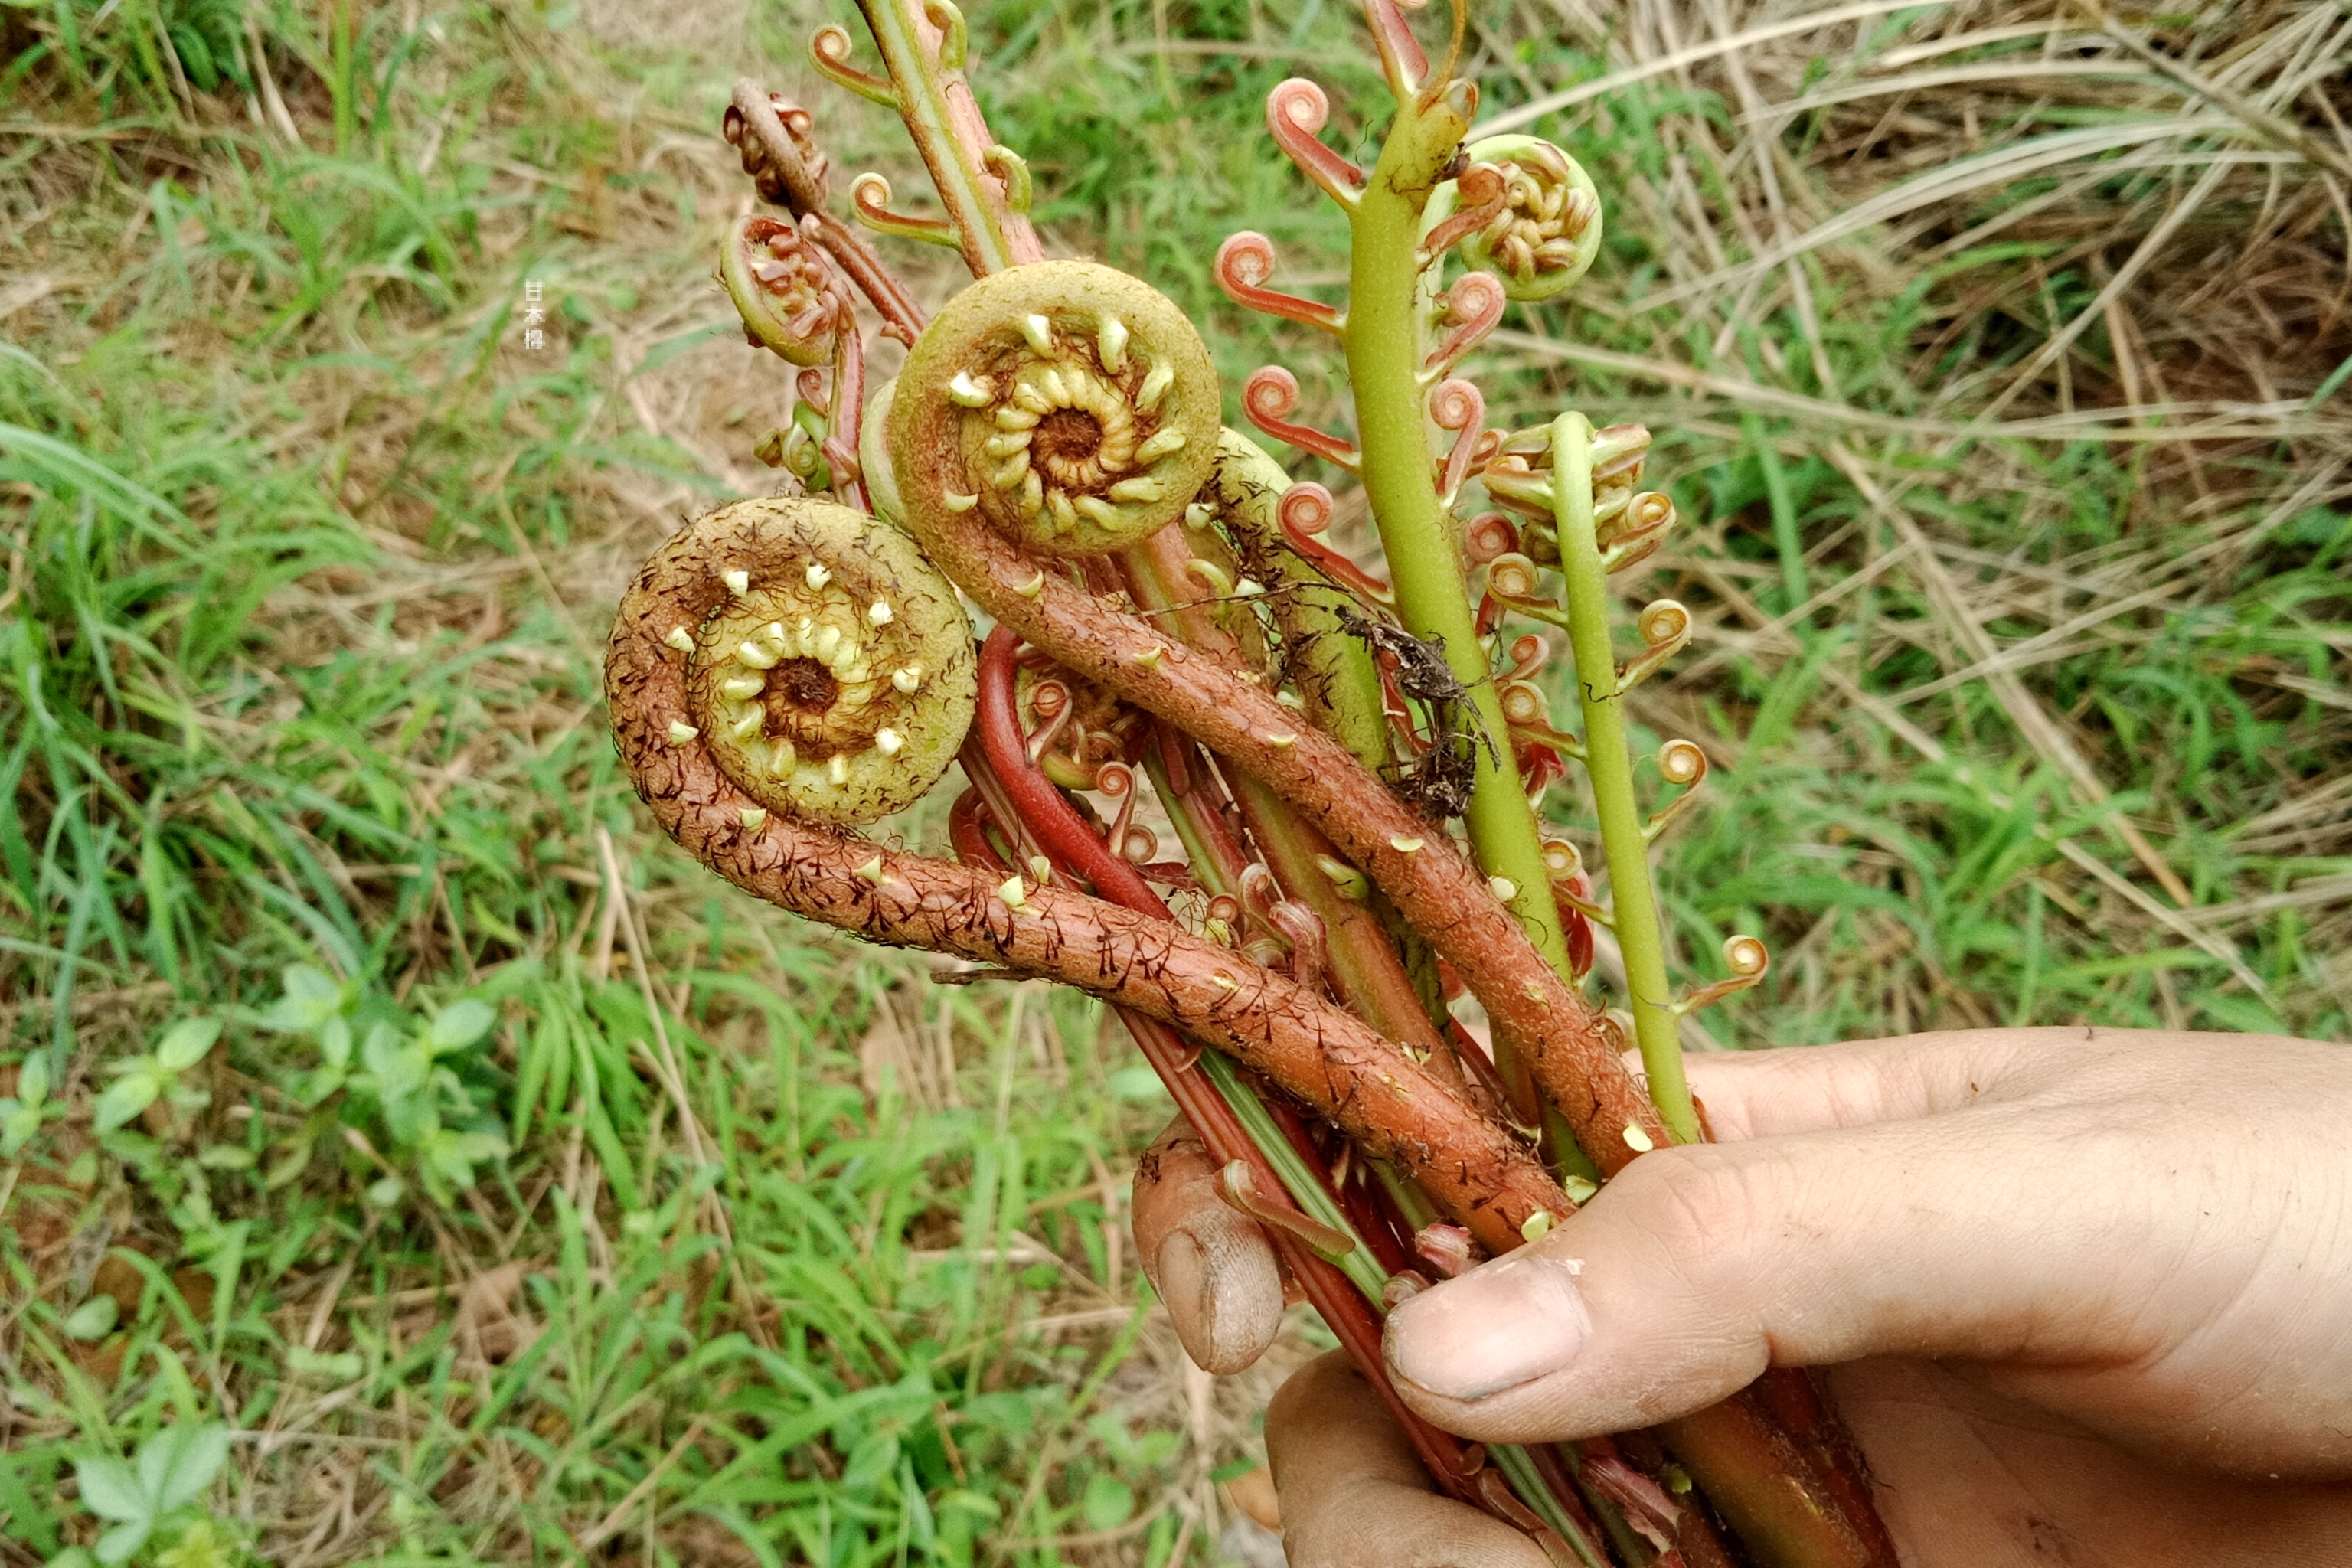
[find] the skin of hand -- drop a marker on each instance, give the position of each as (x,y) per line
(2085,1296)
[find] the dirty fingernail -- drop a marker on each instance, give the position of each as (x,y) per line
(1506,1323)
(1181,1274)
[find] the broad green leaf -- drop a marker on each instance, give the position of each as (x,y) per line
(17,1125)
(116,1544)
(111,1488)
(387,1192)
(94,1319)
(179,1462)
(313,997)
(335,1044)
(186,1043)
(460,1023)
(1108,1502)
(33,1080)
(125,1099)
(381,1049)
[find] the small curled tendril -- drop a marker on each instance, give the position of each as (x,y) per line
(1512,578)
(1116,780)
(945,15)
(1011,168)
(1527,711)
(829,51)
(870,195)
(1643,525)
(1270,397)
(1664,622)
(1481,192)
(1488,535)
(1305,512)
(1244,262)
(1682,762)
(1748,961)
(1473,307)
(1296,111)
(1665,627)
(1679,762)
(1523,704)
(1565,867)
(1458,405)
(1303,929)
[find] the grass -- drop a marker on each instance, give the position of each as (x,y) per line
(722,1240)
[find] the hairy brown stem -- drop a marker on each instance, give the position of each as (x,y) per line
(1439,891)
(1326,1059)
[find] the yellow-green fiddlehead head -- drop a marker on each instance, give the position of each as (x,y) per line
(828,666)
(1072,407)
(1547,231)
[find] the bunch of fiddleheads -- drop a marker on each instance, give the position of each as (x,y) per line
(1172,617)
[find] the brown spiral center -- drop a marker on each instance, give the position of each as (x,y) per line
(800,685)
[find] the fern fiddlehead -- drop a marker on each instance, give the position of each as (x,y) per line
(703,758)
(1080,402)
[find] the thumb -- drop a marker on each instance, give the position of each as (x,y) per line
(1697,1268)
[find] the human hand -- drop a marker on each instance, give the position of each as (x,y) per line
(2085,1291)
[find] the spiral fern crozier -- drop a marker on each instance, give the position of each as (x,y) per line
(1072,406)
(828,666)
(1545,236)
(782,289)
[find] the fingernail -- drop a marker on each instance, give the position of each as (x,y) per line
(1181,1275)
(1496,1327)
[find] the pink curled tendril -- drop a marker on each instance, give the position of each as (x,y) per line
(1270,396)
(1480,195)
(1305,511)
(1244,264)
(1050,701)
(1116,780)
(1295,112)
(1528,653)
(1488,535)
(1458,404)
(1473,307)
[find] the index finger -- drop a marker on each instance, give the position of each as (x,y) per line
(1862,1083)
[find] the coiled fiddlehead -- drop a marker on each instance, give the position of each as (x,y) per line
(787,296)
(1073,407)
(1547,230)
(828,666)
